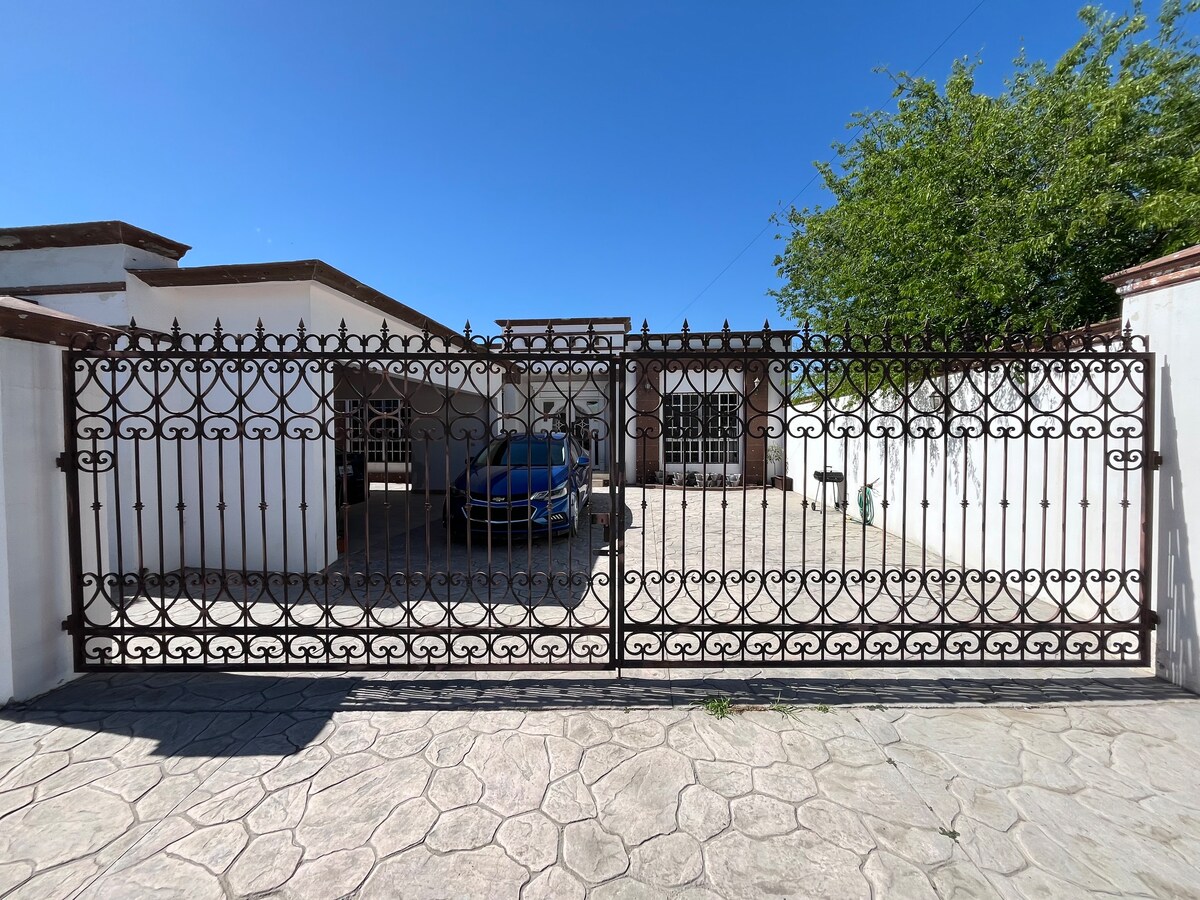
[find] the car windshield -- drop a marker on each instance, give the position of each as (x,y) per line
(523,453)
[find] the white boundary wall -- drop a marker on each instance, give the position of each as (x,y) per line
(35,589)
(976,491)
(1170,316)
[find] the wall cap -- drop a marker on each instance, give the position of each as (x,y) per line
(1166,271)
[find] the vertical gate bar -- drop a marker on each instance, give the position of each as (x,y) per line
(616,505)
(1147,539)
(74,521)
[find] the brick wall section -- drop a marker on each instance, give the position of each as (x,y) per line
(647,397)
(759,416)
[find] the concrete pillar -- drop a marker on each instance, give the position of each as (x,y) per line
(1161,299)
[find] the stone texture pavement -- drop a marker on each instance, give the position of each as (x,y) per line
(938,784)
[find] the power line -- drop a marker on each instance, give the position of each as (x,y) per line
(809,183)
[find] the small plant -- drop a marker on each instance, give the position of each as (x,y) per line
(776,454)
(950,833)
(891,762)
(822,707)
(877,707)
(784,709)
(717,707)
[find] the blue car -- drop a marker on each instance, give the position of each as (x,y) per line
(529,482)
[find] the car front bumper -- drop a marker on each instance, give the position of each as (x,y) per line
(520,515)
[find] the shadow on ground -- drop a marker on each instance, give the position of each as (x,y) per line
(191,714)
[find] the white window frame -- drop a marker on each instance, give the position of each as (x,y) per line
(386,421)
(702,429)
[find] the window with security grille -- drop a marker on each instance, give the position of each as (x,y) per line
(377,427)
(701,429)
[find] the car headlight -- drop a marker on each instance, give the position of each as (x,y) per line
(557,494)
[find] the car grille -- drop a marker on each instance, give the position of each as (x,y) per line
(499,514)
(499,498)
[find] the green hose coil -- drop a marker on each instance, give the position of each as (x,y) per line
(866,504)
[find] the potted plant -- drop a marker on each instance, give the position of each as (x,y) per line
(777,458)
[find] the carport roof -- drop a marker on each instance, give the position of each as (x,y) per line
(623,321)
(27,321)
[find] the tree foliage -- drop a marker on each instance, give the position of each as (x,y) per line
(1003,213)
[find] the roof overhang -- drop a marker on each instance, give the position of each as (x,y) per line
(581,322)
(90,234)
(298,270)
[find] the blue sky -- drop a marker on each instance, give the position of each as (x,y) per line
(474,160)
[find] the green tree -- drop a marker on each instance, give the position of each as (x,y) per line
(1003,213)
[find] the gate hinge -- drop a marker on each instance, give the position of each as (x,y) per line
(1152,618)
(71,624)
(63,461)
(1156,460)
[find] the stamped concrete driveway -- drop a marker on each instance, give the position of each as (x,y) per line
(905,785)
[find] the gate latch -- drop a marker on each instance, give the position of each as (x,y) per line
(1156,460)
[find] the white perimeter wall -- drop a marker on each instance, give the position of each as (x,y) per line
(1170,316)
(35,589)
(984,500)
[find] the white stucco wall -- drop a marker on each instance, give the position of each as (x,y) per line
(1170,317)
(76,265)
(80,265)
(35,593)
(983,500)
(450,412)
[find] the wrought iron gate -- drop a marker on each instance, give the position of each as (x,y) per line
(771,498)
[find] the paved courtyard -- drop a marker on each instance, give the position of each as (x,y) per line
(906,785)
(722,562)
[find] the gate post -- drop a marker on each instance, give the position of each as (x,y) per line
(68,461)
(616,501)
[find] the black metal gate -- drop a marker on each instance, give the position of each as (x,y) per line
(584,499)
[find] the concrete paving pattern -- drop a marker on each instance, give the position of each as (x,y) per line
(907,785)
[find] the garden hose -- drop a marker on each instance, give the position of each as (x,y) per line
(866,503)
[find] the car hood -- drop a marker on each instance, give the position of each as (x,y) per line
(514,481)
